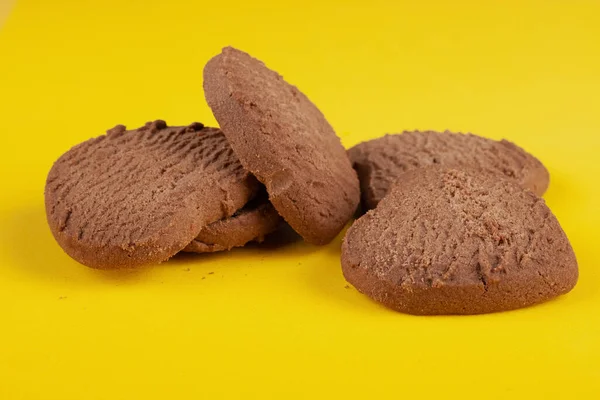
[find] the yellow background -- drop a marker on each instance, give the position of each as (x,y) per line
(280,323)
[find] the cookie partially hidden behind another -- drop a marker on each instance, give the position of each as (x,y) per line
(286,142)
(250,224)
(447,241)
(130,198)
(379,162)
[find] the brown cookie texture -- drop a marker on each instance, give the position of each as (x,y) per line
(449,241)
(137,197)
(379,162)
(286,142)
(251,223)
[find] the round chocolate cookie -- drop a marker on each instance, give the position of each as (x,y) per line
(251,223)
(448,241)
(379,162)
(285,141)
(129,198)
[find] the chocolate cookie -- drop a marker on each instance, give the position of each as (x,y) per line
(129,198)
(379,162)
(447,241)
(285,141)
(251,223)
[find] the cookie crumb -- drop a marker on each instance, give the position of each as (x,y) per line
(62,297)
(210,273)
(203,277)
(186,269)
(347,287)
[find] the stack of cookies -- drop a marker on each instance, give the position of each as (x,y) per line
(453,222)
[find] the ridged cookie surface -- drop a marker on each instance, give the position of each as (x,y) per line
(136,197)
(448,241)
(380,161)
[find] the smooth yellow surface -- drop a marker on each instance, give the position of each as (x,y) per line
(281,323)
(5,6)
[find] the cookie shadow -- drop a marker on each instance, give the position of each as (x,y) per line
(284,243)
(327,281)
(31,248)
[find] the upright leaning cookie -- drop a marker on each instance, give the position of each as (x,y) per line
(130,198)
(379,162)
(445,241)
(285,141)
